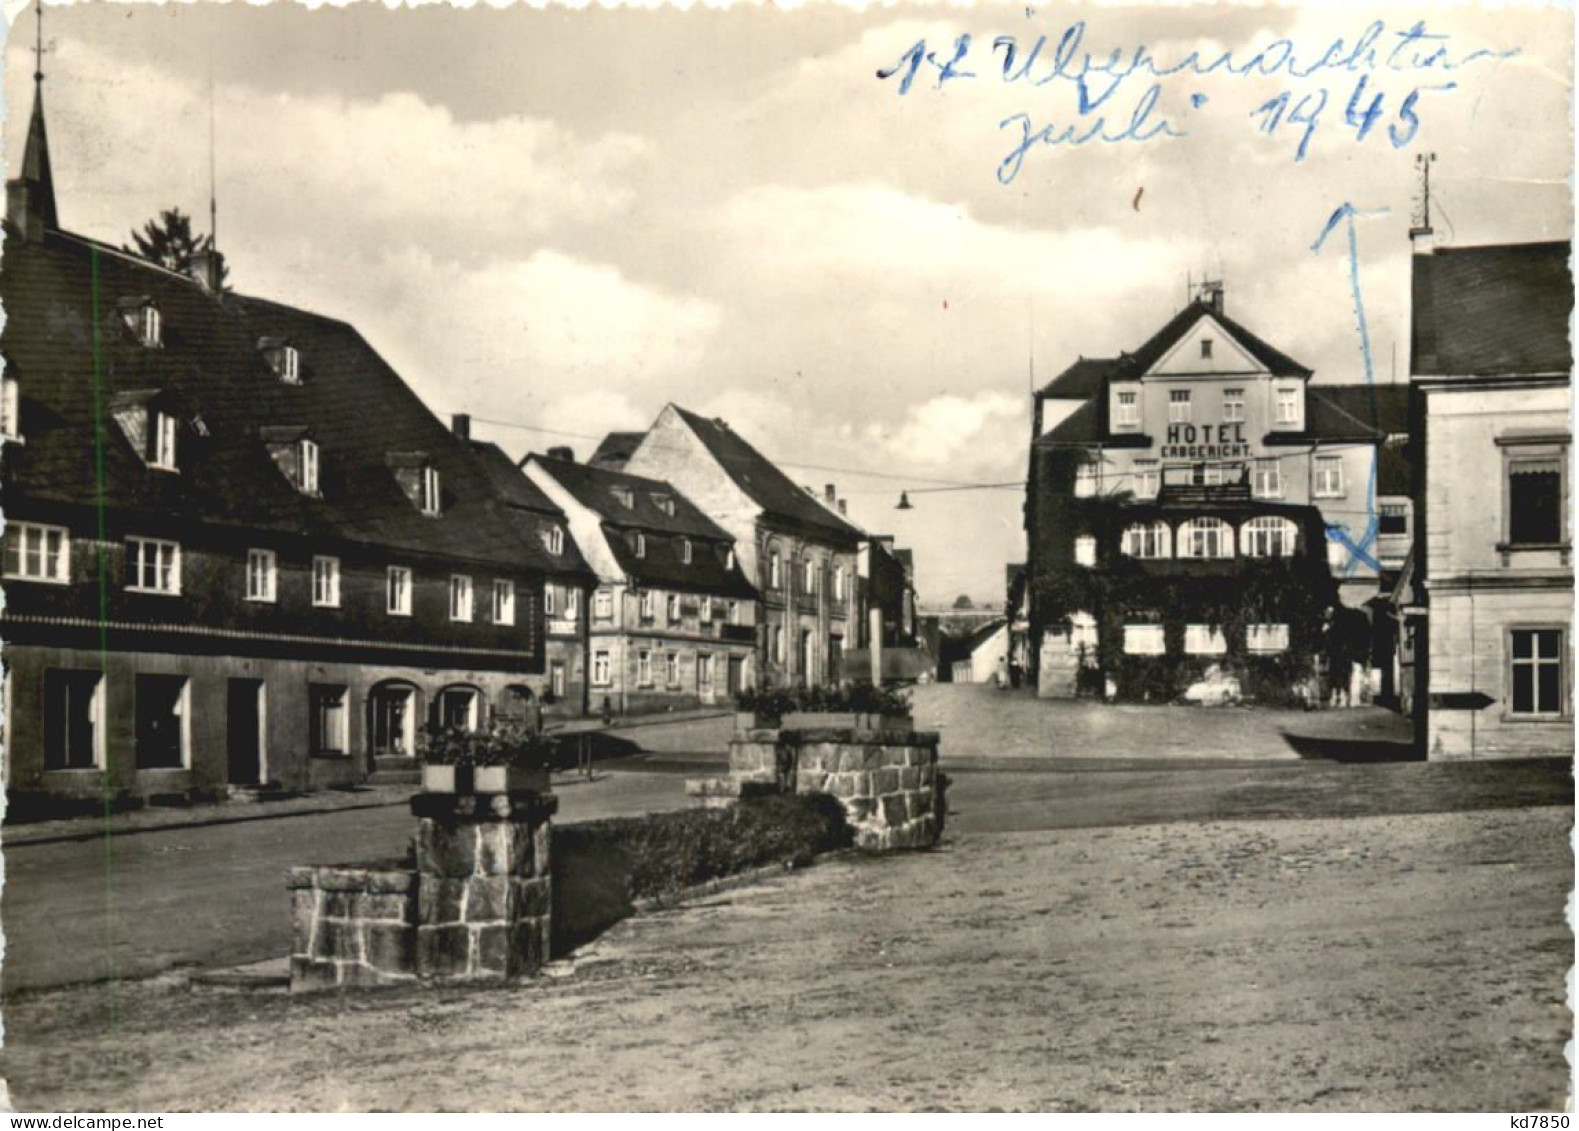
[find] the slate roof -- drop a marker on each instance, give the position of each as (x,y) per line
(1133,365)
(1083,426)
(1356,412)
(1084,379)
(616,449)
(61,294)
(769,488)
(1495,310)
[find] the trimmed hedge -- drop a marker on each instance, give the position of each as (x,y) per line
(601,868)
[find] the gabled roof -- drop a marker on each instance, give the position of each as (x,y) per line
(758,477)
(595,488)
(1082,426)
(1491,311)
(70,348)
(509,483)
(616,449)
(1133,365)
(1081,380)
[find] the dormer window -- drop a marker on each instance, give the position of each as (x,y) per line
(626,497)
(665,503)
(161,441)
(685,550)
(729,560)
(309,467)
(430,491)
(418,480)
(296,454)
(11,410)
(640,545)
(556,540)
(283,358)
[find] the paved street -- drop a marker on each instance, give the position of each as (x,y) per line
(134,905)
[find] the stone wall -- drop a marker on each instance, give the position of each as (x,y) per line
(352,926)
(476,906)
(886,779)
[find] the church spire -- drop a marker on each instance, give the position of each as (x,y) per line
(30,197)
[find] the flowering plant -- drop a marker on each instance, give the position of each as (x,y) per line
(497,744)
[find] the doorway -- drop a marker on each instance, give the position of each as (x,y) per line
(244,731)
(392,707)
(163,732)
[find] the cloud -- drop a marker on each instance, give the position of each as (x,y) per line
(953,431)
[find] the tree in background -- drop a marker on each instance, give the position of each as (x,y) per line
(169,242)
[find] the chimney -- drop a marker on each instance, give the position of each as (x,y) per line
(461,425)
(207,266)
(842,509)
(1422,240)
(1213,294)
(562,453)
(829,494)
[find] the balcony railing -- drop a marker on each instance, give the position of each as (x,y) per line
(1205,483)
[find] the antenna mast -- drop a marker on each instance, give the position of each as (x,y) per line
(38,44)
(1422,226)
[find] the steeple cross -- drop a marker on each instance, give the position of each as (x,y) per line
(38,43)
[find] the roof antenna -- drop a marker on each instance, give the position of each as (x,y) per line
(1422,225)
(213,190)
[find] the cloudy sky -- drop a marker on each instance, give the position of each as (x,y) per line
(566,219)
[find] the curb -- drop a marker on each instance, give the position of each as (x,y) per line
(9,841)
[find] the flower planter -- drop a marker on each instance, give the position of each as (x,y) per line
(438,779)
(846,720)
(509,779)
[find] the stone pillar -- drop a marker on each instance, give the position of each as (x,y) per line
(351,926)
(483,894)
(887,781)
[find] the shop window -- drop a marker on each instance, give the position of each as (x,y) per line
(1537,679)
(73,719)
(1204,640)
(1266,638)
(1144,640)
(328,720)
(163,730)
(459,708)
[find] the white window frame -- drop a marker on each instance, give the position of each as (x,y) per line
(54,568)
(602,668)
(432,491)
(462,607)
(550,601)
(1148,479)
(166,574)
(705,606)
(11,409)
(1266,639)
(1126,409)
(704,671)
(150,326)
(504,600)
(1083,634)
(1535,661)
(1259,536)
(603,605)
(732,613)
(643,667)
(1327,477)
(307,454)
(810,577)
(775,570)
(1204,640)
(95,714)
(290,365)
(1266,478)
(641,544)
(1088,479)
(263,576)
(671,669)
(838,583)
(1186,542)
(1286,407)
(671,608)
(342,739)
(572,602)
(1085,550)
(1179,406)
(1149,541)
(685,551)
(397,591)
(1145,640)
(556,540)
(1233,406)
(326,582)
(164,429)
(644,605)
